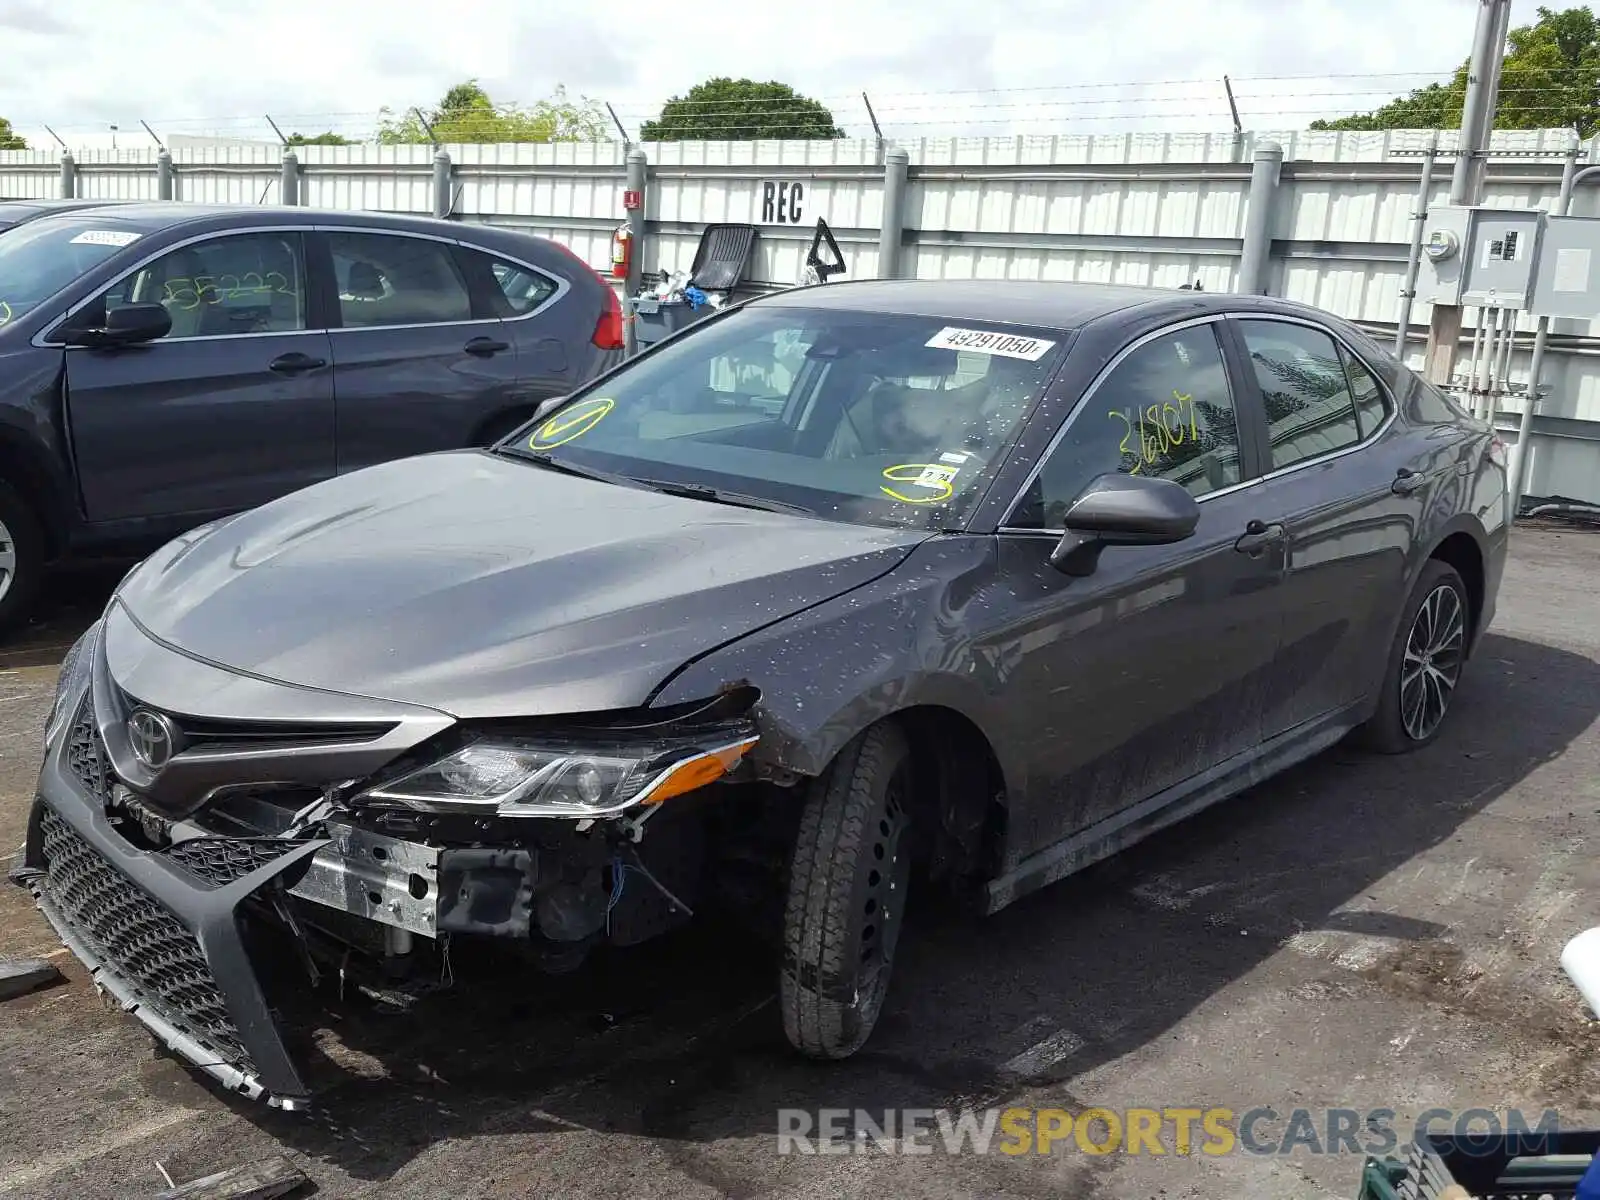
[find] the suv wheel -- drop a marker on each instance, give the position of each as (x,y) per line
(847,895)
(21,559)
(1425,663)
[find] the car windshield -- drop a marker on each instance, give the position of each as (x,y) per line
(39,258)
(853,416)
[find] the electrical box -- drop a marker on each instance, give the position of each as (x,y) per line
(1479,256)
(1440,274)
(1503,244)
(1568,279)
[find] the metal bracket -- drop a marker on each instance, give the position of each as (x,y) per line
(380,878)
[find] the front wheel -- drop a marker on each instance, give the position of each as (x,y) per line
(1425,663)
(22,555)
(847,895)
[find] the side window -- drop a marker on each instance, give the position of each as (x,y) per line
(1372,406)
(1164,410)
(1310,411)
(520,290)
(386,280)
(244,283)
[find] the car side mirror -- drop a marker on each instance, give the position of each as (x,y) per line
(546,407)
(126,325)
(1123,510)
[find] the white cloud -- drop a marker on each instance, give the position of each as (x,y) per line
(1038,66)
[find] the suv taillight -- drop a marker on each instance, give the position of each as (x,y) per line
(608,329)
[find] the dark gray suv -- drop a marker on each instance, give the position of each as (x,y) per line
(834,595)
(162,365)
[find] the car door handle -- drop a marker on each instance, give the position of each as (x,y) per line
(296,363)
(1407,481)
(484,347)
(1257,537)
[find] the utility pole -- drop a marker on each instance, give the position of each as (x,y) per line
(1466,181)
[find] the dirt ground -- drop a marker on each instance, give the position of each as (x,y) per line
(1360,933)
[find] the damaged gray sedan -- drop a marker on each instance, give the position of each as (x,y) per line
(841,594)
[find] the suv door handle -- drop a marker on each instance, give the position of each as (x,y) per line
(484,347)
(1257,537)
(296,363)
(1407,481)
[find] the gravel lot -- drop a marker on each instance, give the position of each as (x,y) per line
(1360,933)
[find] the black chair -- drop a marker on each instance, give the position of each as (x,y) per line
(722,257)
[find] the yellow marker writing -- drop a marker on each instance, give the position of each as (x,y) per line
(570,423)
(5,313)
(928,475)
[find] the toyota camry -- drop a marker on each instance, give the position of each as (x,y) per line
(841,595)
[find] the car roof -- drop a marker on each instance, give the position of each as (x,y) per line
(16,212)
(152,216)
(56,205)
(1046,303)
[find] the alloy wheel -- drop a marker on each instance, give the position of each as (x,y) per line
(1435,650)
(8,560)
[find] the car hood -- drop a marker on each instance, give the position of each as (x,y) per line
(483,586)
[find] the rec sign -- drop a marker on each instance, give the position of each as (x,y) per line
(782,202)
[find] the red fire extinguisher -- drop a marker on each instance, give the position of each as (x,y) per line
(621,251)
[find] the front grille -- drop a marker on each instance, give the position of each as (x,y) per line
(135,935)
(220,861)
(86,753)
(218,734)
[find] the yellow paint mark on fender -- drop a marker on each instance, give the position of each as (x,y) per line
(570,423)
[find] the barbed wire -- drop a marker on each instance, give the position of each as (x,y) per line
(1329,96)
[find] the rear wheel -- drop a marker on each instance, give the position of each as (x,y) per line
(1425,663)
(22,555)
(847,895)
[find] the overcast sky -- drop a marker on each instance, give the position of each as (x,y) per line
(931,67)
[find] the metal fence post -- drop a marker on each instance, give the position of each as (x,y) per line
(442,201)
(896,163)
(638,174)
(1541,339)
(1265,171)
(638,177)
(69,175)
(1419,221)
(289,180)
(164,176)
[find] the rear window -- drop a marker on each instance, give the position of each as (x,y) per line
(869,417)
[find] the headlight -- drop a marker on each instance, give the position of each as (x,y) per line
(515,777)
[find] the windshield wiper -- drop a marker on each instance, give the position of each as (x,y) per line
(701,491)
(550,462)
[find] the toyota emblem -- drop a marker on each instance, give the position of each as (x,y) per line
(153,737)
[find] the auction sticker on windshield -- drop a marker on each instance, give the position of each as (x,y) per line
(985,341)
(105,237)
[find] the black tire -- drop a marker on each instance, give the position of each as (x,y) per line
(847,895)
(1395,728)
(22,558)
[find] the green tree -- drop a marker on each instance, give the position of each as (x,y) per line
(1550,79)
(10,140)
(466,113)
(322,139)
(740,110)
